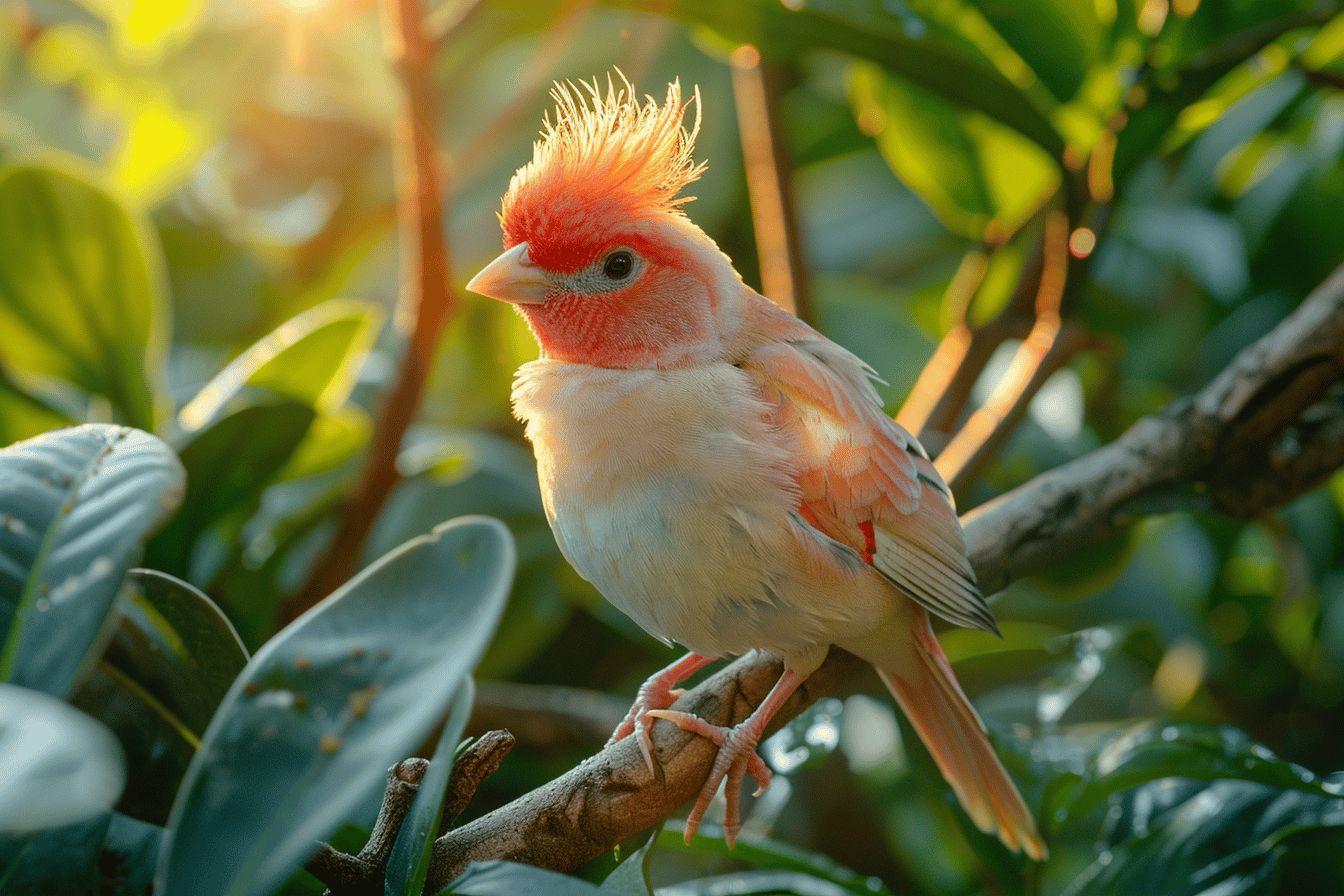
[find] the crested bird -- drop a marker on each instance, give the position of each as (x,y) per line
(718,469)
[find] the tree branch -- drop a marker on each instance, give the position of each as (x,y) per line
(765,158)
(427,302)
(1278,399)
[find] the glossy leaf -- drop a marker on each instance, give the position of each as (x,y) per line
(352,686)
(501,878)
(76,506)
(129,854)
(763,852)
(312,359)
(408,866)
(81,293)
(171,659)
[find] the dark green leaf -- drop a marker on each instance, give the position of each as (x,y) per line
(130,854)
(1058,39)
(75,508)
(512,878)
(352,686)
(228,466)
(762,852)
(631,877)
(81,293)
(408,866)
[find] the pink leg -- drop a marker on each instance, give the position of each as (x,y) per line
(658,692)
(737,755)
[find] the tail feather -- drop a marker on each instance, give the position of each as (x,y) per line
(930,696)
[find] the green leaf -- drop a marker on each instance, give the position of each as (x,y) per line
(177,645)
(171,659)
(313,359)
(60,776)
(1191,839)
(1151,751)
(757,883)
(229,464)
(762,852)
(500,878)
(977,176)
(75,508)
(936,65)
(408,866)
(129,855)
(350,687)
(631,877)
(81,290)
(1058,39)
(24,412)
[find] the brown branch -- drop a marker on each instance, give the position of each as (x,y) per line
(426,301)
(765,158)
(1048,346)
(1276,386)
(943,389)
(481,760)
(347,874)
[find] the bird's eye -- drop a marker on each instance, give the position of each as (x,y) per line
(618,265)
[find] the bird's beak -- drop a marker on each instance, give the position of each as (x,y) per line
(512,278)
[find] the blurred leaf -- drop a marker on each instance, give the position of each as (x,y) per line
(75,508)
(81,288)
(350,687)
(61,773)
(129,855)
(408,866)
(1090,569)
(936,66)
(757,883)
(1058,39)
(982,180)
(228,466)
(312,359)
(23,412)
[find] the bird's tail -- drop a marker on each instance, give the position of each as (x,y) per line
(923,684)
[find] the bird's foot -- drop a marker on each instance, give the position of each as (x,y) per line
(736,759)
(653,695)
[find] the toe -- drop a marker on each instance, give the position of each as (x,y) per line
(645,742)
(693,724)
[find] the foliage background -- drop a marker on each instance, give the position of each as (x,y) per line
(194,187)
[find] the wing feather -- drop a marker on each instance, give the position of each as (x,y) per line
(856,465)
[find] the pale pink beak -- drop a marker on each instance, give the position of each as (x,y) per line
(512,277)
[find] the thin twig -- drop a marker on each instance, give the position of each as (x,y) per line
(765,158)
(481,760)
(427,301)
(1048,346)
(347,874)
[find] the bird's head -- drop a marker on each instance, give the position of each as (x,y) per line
(599,256)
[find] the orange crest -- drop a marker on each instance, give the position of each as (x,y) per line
(603,162)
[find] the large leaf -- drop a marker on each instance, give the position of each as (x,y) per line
(1058,39)
(1192,839)
(978,176)
(60,775)
(350,687)
(81,293)
(229,464)
(169,663)
(408,866)
(76,506)
(499,878)
(313,358)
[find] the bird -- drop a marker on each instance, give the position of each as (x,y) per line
(717,468)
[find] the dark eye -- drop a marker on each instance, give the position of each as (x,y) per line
(618,265)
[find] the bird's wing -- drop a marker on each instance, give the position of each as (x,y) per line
(865,481)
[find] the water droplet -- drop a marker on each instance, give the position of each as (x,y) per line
(1170,733)
(276,699)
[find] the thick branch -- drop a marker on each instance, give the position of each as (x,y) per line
(1272,401)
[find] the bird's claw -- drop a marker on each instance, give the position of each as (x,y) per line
(652,696)
(737,758)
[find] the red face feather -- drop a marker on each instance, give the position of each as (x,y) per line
(606,172)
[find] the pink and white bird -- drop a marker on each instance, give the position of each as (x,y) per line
(718,469)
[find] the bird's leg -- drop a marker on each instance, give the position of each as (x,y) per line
(737,756)
(658,692)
